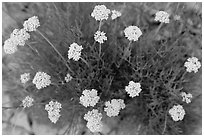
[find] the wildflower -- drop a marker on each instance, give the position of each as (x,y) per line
(94,120)
(162,16)
(31,24)
(115,14)
(89,98)
(186,97)
(68,77)
(132,33)
(10,46)
(100,37)
(114,106)
(177,112)
(53,109)
(192,64)
(133,89)
(20,36)
(100,12)
(25,78)
(27,102)
(74,51)
(41,80)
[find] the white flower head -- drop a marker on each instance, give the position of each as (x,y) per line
(31,24)
(100,37)
(177,112)
(192,64)
(133,89)
(132,33)
(113,107)
(27,102)
(68,77)
(53,109)
(74,51)
(115,14)
(100,12)
(25,77)
(186,97)
(41,80)
(10,46)
(20,36)
(162,16)
(93,119)
(89,98)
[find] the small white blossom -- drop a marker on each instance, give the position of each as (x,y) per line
(89,98)
(186,97)
(192,64)
(100,37)
(10,46)
(162,16)
(20,36)
(74,51)
(100,12)
(53,109)
(132,33)
(27,102)
(31,24)
(133,89)
(25,77)
(177,112)
(68,77)
(41,80)
(115,14)
(94,120)
(114,106)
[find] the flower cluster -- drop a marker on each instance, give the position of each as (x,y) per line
(133,89)
(177,112)
(25,77)
(41,80)
(94,120)
(53,109)
(114,106)
(162,16)
(74,51)
(115,14)
(132,33)
(20,36)
(68,77)
(27,102)
(89,98)
(100,37)
(192,64)
(186,97)
(100,12)
(10,46)
(31,24)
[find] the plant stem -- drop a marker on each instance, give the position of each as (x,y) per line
(65,62)
(84,61)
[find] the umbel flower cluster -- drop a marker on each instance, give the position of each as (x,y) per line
(192,64)
(89,98)
(25,78)
(41,80)
(53,109)
(177,112)
(27,102)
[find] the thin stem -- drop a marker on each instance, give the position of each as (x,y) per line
(125,53)
(65,62)
(100,50)
(84,61)
(100,24)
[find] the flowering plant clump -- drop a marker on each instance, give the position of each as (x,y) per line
(133,89)
(41,80)
(100,37)
(177,112)
(162,16)
(100,12)
(25,77)
(89,98)
(114,106)
(93,119)
(74,51)
(192,64)
(31,24)
(53,109)
(132,33)
(27,102)
(186,97)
